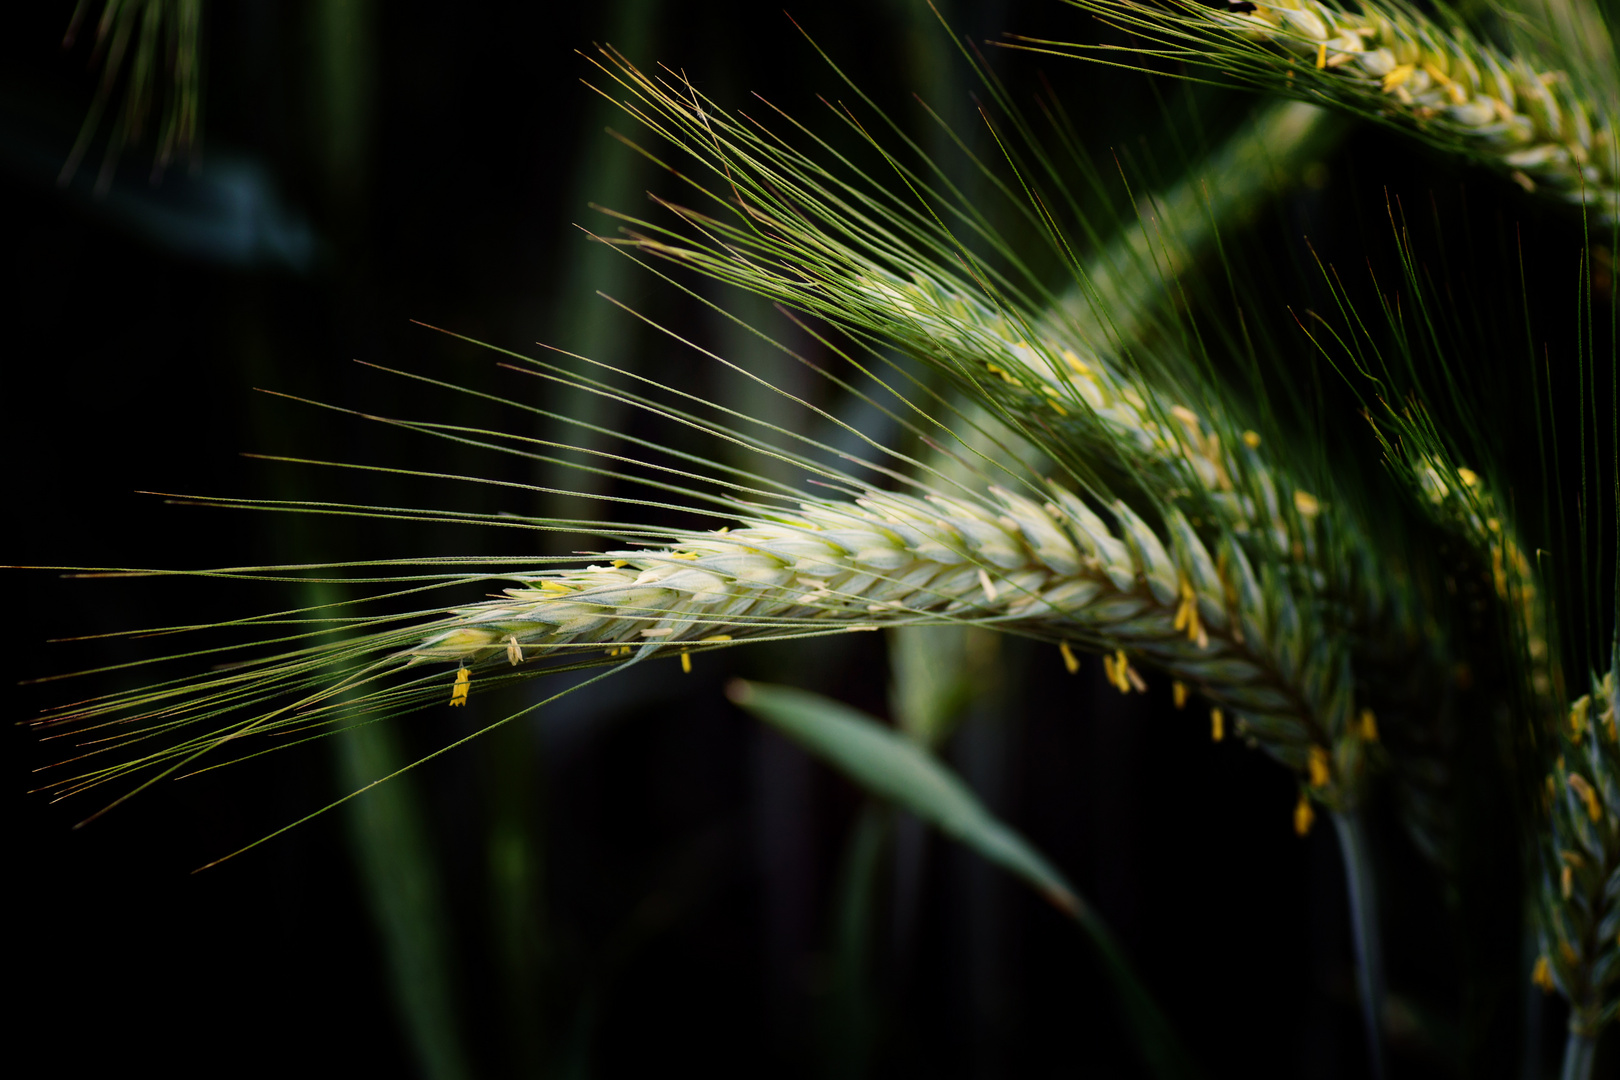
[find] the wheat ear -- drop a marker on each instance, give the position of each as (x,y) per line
(1579,890)
(1056,570)
(1544,128)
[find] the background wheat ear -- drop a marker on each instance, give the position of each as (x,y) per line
(160,42)
(1545,118)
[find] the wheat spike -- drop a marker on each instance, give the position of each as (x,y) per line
(1579,894)
(1057,571)
(1544,128)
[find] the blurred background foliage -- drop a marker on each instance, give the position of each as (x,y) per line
(640,875)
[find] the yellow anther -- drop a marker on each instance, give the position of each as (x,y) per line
(683,555)
(1594,807)
(1251,439)
(1566,881)
(1070,661)
(1469,477)
(686,662)
(1541,975)
(1074,361)
(1187,616)
(1397,76)
(1577,717)
(1318,763)
(463,683)
(1321,55)
(1119,672)
(1306,504)
(620,563)
(1178,693)
(514,651)
(1304,816)
(1217,725)
(714,637)
(1369,726)
(554,588)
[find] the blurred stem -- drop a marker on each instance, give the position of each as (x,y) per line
(1364,923)
(854,1008)
(1580,1051)
(401,881)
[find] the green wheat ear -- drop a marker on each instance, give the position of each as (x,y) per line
(1551,129)
(165,62)
(1578,890)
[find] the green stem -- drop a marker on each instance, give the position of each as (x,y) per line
(1579,1053)
(1364,923)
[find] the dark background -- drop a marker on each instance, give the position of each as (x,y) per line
(367,165)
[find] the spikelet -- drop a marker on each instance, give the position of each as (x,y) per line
(1545,129)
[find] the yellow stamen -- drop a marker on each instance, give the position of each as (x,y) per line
(1321,56)
(1251,439)
(1306,504)
(1566,881)
(1541,975)
(1187,616)
(1318,765)
(1304,816)
(1577,717)
(514,651)
(1397,76)
(1581,787)
(458,692)
(1119,672)
(1178,693)
(1369,726)
(1070,661)
(554,588)
(686,662)
(1217,725)
(1468,476)
(1075,362)
(715,637)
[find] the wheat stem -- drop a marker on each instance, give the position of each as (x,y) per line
(1364,924)
(1580,1054)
